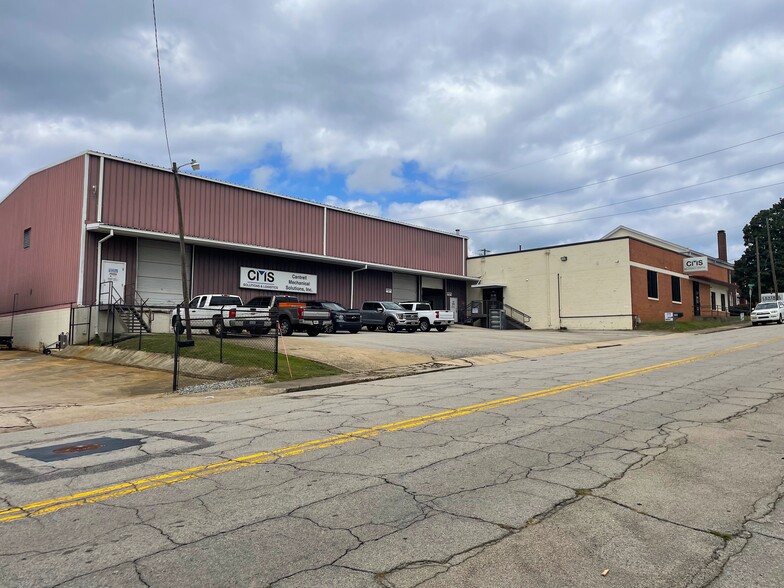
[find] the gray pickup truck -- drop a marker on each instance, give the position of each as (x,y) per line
(388,315)
(292,315)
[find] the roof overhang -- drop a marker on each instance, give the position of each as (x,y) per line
(353,263)
(485,286)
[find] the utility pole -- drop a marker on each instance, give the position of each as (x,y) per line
(183,273)
(772,265)
(759,277)
(484,252)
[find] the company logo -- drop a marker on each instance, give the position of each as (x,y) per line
(695,264)
(265,276)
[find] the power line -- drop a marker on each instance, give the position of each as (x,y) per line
(617,137)
(160,81)
(579,220)
(598,182)
(703,183)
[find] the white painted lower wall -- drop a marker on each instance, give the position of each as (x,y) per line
(34,330)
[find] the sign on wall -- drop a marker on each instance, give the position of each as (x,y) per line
(695,264)
(265,279)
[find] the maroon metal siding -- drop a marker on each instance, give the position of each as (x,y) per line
(93,183)
(218,271)
(116,248)
(46,274)
(371,285)
(351,236)
(144,198)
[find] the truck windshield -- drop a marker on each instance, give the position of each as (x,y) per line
(392,306)
(765,305)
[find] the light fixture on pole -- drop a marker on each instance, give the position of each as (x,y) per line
(183,273)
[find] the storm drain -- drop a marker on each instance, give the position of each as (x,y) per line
(79,448)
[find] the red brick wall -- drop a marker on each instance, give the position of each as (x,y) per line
(653,310)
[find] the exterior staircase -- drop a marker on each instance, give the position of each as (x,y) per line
(132,319)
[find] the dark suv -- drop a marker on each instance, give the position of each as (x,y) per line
(342,319)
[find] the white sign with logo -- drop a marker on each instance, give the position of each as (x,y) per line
(265,279)
(695,264)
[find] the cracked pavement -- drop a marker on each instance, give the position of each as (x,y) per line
(500,474)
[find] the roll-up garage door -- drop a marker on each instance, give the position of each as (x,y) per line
(158,272)
(404,287)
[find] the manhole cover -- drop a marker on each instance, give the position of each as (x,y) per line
(79,448)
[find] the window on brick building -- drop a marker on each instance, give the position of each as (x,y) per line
(723,302)
(676,289)
(713,300)
(653,284)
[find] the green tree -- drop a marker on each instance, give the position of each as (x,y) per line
(746,266)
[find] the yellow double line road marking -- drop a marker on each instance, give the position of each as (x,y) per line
(175,477)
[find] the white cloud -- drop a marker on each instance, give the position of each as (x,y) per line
(490,102)
(261,176)
(374,176)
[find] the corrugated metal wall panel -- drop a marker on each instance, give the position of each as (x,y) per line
(93,183)
(144,198)
(217,271)
(377,241)
(122,249)
(371,285)
(47,273)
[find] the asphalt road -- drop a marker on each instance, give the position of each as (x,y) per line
(659,463)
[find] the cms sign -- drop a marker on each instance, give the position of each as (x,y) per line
(262,276)
(695,264)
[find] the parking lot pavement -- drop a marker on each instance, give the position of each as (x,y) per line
(364,351)
(40,390)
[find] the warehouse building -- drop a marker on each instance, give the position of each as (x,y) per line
(623,278)
(96,227)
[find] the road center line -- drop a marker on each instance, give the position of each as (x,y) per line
(174,477)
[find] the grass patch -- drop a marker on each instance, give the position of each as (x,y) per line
(681,326)
(252,354)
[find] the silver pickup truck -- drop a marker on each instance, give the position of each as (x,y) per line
(388,315)
(221,314)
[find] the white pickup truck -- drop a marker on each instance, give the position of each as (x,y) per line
(429,318)
(221,314)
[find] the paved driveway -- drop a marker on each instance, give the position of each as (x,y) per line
(365,351)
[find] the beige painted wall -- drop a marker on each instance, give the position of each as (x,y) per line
(595,280)
(34,330)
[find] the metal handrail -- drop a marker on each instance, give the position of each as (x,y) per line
(512,312)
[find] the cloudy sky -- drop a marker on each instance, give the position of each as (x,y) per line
(521,123)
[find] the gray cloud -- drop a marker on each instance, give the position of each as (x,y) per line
(483,97)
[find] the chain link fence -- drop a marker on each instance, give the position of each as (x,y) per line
(223,357)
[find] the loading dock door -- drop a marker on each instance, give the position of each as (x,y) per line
(158,272)
(404,287)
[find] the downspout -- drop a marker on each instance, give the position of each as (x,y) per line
(98,268)
(362,269)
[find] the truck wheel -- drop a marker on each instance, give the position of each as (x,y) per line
(219,329)
(372,327)
(313,331)
(178,327)
(285,326)
(390,326)
(263,331)
(424,325)
(354,331)
(441,328)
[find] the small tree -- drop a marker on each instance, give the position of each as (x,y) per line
(746,266)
